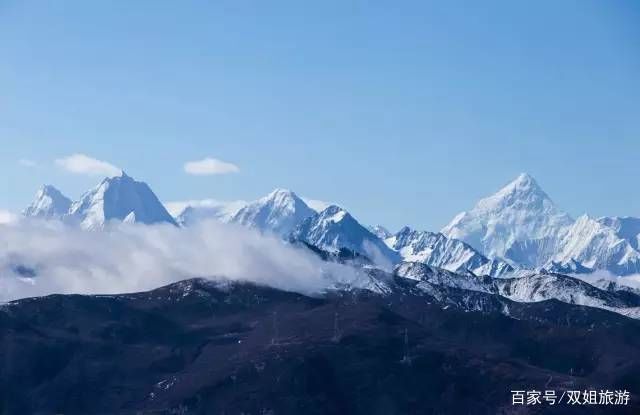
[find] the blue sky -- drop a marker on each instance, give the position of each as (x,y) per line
(403,113)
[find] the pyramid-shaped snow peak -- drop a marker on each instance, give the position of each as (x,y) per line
(278,213)
(49,203)
(334,228)
(118,198)
(519,222)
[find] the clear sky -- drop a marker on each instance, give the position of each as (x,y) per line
(403,112)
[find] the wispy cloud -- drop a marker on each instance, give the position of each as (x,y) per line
(130,257)
(7,217)
(82,164)
(210,166)
(27,163)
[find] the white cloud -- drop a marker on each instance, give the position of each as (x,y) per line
(209,166)
(631,280)
(7,217)
(130,257)
(28,163)
(83,164)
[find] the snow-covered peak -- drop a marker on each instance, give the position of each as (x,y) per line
(437,250)
(334,228)
(569,267)
(521,223)
(379,231)
(595,245)
(194,211)
(524,181)
(425,273)
(518,212)
(334,214)
(521,193)
(279,213)
(626,227)
(118,198)
(280,195)
(130,218)
(49,203)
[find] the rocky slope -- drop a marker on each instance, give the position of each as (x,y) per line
(203,347)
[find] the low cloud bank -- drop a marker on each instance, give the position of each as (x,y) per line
(39,258)
(6,217)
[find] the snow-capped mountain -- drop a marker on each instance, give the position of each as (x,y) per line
(568,267)
(594,244)
(192,212)
(544,286)
(627,228)
(436,276)
(519,223)
(335,228)
(518,227)
(49,203)
(533,287)
(278,213)
(380,231)
(118,198)
(437,250)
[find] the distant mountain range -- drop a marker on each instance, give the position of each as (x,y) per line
(425,322)
(119,198)
(518,227)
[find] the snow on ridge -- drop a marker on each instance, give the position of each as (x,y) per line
(530,287)
(594,244)
(518,225)
(519,211)
(278,213)
(437,250)
(334,228)
(190,212)
(380,231)
(521,224)
(115,199)
(49,203)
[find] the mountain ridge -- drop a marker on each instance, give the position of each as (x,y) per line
(279,213)
(335,228)
(519,226)
(519,211)
(49,203)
